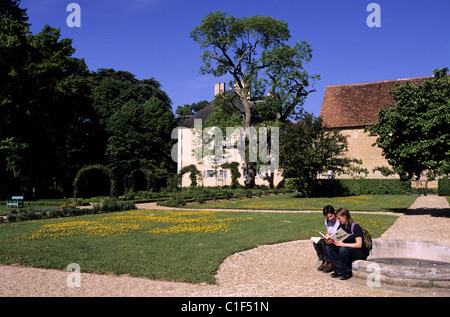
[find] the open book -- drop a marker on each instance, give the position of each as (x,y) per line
(339,235)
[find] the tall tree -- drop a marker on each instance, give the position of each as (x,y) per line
(112,89)
(414,134)
(140,137)
(43,102)
(13,51)
(308,149)
(254,52)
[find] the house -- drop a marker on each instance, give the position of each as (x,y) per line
(211,172)
(348,107)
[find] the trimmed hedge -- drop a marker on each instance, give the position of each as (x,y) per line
(444,186)
(356,187)
(69,210)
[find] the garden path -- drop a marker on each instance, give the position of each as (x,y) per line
(281,270)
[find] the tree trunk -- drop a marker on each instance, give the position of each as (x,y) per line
(250,178)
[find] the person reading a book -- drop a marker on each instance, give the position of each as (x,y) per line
(331,225)
(343,252)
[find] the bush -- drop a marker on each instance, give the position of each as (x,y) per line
(227,194)
(352,187)
(55,213)
(173,201)
(193,173)
(200,198)
(110,205)
(444,187)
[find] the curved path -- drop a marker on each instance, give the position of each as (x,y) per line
(281,270)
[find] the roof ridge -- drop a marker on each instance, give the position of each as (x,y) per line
(381,81)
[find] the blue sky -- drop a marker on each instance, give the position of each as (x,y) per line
(150,38)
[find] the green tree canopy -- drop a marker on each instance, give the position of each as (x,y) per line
(189,109)
(414,134)
(308,149)
(57,116)
(254,51)
(44,101)
(139,137)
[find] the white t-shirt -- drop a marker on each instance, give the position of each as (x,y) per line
(332,226)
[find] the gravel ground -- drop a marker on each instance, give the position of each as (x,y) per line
(281,270)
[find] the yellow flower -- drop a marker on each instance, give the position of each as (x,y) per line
(144,221)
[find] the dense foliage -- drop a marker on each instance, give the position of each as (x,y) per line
(255,52)
(444,186)
(415,133)
(351,187)
(57,116)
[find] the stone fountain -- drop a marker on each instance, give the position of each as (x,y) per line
(411,263)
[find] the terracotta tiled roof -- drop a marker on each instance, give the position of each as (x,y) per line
(351,105)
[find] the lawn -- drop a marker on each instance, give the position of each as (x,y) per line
(395,203)
(179,245)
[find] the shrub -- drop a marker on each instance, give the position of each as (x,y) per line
(444,186)
(352,187)
(194,173)
(235,174)
(110,205)
(55,213)
(227,194)
(200,198)
(173,201)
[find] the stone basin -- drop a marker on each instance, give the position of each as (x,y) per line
(415,263)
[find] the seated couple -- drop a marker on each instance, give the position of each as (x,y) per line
(337,256)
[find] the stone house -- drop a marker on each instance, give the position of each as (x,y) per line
(211,172)
(347,107)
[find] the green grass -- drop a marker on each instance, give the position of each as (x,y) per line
(176,245)
(395,203)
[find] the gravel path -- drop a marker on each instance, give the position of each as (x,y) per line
(281,270)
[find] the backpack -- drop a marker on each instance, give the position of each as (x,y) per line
(367,237)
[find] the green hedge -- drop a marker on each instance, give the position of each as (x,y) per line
(69,209)
(355,187)
(444,187)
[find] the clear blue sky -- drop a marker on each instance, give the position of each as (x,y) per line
(150,38)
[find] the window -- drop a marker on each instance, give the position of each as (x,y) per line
(215,173)
(223,173)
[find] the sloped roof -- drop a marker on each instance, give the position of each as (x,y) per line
(202,114)
(351,105)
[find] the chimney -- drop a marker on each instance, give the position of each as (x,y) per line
(219,88)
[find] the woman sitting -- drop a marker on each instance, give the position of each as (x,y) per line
(343,253)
